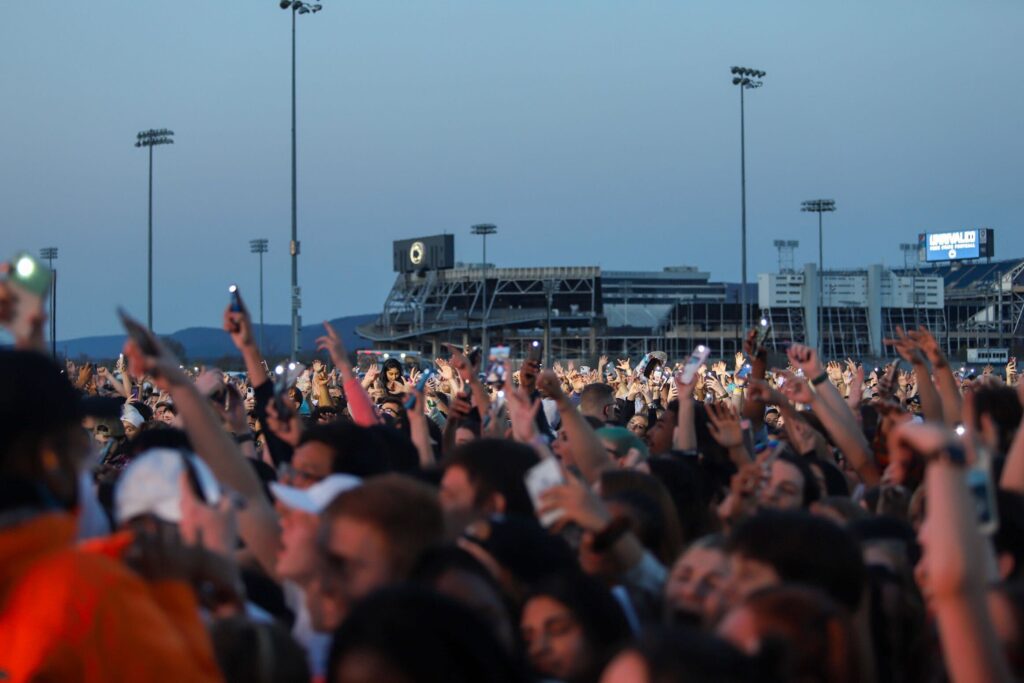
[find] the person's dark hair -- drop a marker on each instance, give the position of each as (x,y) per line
(38,409)
(441,562)
(891,530)
(411,633)
(323,411)
(835,483)
(255,652)
(1001,404)
(691,492)
(811,492)
(158,435)
(599,614)
(296,395)
(395,448)
(685,655)
(406,512)
(497,466)
(814,634)
(652,507)
(803,548)
(1009,537)
(362,451)
(144,410)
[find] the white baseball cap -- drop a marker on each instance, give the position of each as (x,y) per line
(318,496)
(131,415)
(150,484)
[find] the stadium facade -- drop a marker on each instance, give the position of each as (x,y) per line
(582,312)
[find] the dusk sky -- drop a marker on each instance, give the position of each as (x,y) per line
(592,132)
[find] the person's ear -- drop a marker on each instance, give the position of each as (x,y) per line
(1006,565)
(496,504)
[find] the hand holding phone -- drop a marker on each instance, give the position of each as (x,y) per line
(543,476)
(28,282)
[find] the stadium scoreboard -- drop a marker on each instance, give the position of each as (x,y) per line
(956,245)
(436,252)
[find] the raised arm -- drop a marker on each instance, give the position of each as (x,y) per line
(258,524)
(587,449)
(948,390)
(360,406)
(910,351)
(954,558)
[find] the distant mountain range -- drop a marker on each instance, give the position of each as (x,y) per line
(211,343)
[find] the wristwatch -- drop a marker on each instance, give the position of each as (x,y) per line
(820,379)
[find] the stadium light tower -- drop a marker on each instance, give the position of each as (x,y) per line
(909,257)
(786,249)
(746,79)
(151,138)
(50,255)
(820,206)
(297,7)
(484,229)
(259,246)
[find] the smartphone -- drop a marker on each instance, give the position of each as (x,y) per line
(693,363)
(496,361)
(641,367)
(535,351)
(421,384)
(764,328)
(744,371)
(584,369)
(236,300)
(30,280)
(145,339)
(544,475)
(284,379)
(983,492)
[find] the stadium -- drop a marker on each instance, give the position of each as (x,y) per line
(974,304)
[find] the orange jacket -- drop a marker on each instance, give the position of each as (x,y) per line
(73,616)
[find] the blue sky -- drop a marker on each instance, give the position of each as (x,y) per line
(588,131)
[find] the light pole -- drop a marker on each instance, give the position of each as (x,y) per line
(484,229)
(820,206)
(745,78)
(550,288)
(50,254)
(259,246)
(909,255)
(297,7)
(151,138)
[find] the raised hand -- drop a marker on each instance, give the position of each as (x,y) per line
(577,503)
(739,360)
(804,358)
(287,429)
(164,367)
(718,367)
(724,425)
(906,347)
(796,388)
(372,372)
(522,412)
(759,390)
(926,341)
(239,326)
(549,384)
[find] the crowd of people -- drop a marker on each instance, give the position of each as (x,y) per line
(771,517)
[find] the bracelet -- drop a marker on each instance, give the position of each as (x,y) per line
(242,438)
(820,379)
